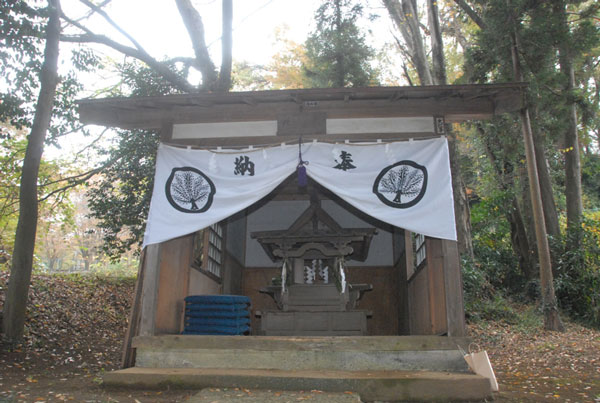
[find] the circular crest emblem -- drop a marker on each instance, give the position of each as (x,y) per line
(189,190)
(401,185)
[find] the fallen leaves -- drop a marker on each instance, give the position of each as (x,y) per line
(538,365)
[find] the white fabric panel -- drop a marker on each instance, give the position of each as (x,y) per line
(406,184)
(429,211)
(230,191)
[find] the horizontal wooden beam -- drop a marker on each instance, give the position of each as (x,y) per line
(454,103)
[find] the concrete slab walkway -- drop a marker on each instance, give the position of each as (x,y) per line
(238,395)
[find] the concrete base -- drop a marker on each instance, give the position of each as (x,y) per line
(370,385)
(375,353)
(379,368)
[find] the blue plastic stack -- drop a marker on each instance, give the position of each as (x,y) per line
(217,315)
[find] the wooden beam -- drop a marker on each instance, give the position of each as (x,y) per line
(452,102)
(153,118)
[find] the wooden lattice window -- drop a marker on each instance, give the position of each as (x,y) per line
(420,250)
(208,250)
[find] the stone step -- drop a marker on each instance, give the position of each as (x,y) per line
(377,353)
(370,385)
(338,343)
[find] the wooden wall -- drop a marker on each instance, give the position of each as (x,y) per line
(254,279)
(382,301)
(232,275)
(176,279)
(175,258)
(435,298)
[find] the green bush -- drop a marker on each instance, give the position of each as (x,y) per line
(577,281)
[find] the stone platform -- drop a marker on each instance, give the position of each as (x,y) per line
(378,368)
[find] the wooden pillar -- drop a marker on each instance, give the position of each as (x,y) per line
(435,274)
(406,267)
(455,309)
(150,290)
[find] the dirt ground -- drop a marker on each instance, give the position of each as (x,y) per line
(75,328)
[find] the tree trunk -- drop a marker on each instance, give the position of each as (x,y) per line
(518,233)
(437,45)
(193,23)
(22,264)
(551,317)
(226,47)
(550,212)
(571,143)
(520,241)
(339,58)
(406,19)
(462,211)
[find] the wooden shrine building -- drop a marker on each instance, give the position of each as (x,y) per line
(401,299)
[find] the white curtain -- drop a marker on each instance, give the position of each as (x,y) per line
(406,184)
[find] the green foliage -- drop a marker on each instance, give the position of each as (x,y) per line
(590,179)
(121,198)
(337,52)
(22,25)
(54,209)
(21,40)
(578,273)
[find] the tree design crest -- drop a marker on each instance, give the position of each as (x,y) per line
(401,185)
(189,190)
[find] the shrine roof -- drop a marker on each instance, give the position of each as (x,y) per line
(455,103)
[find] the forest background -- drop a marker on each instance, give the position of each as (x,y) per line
(93,197)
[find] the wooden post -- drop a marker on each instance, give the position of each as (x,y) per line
(455,309)
(150,290)
(128,355)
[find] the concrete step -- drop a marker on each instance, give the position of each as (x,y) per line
(376,353)
(370,385)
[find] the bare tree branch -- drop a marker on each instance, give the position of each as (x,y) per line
(406,74)
(160,67)
(100,11)
(75,180)
(91,144)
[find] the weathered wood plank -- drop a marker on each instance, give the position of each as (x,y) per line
(437,292)
(176,257)
(150,290)
(128,354)
(153,118)
(418,304)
